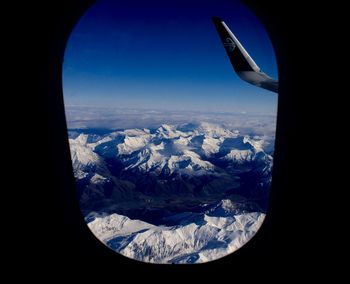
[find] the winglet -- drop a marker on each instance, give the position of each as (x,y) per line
(242,63)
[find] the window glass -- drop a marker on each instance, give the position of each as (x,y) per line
(172,148)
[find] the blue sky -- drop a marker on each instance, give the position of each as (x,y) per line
(165,55)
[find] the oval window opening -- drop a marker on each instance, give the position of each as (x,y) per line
(171,112)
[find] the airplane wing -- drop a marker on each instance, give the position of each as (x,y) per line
(241,61)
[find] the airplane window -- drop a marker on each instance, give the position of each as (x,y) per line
(171,113)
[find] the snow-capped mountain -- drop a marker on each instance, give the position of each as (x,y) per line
(184,193)
(198,237)
(184,149)
(189,161)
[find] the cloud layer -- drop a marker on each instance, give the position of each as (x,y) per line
(85,117)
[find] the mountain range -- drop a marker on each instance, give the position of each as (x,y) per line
(174,194)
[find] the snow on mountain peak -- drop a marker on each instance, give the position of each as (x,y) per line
(106,226)
(82,139)
(132,144)
(96,179)
(81,153)
(184,149)
(169,132)
(224,208)
(203,239)
(215,130)
(240,156)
